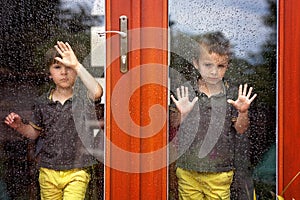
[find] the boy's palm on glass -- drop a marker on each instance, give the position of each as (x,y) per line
(183,104)
(243,102)
(68,57)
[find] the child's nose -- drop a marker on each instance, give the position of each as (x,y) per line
(214,70)
(64,70)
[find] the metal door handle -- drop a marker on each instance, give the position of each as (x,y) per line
(123,43)
(122,34)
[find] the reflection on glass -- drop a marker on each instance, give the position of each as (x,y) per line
(250,27)
(28,30)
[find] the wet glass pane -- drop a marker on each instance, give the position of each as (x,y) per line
(250,28)
(28,30)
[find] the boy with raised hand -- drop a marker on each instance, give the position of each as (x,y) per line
(64,161)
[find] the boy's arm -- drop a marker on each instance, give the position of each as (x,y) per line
(15,121)
(242,122)
(242,104)
(94,88)
(69,59)
(174,118)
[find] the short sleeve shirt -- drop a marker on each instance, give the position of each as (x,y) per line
(207,136)
(61,148)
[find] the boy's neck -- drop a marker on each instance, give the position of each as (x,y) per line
(210,89)
(62,94)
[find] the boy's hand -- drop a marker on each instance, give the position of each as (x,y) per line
(243,102)
(183,104)
(13,120)
(68,57)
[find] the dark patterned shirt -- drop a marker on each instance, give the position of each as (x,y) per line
(206,137)
(62,144)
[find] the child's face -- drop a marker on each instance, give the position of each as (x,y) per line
(211,66)
(62,76)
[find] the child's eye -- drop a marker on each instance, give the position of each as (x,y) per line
(56,66)
(222,66)
(208,64)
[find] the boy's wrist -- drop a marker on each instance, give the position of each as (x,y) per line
(243,112)
(19,126)
(183,116)
(22,123)
(25,121)
(78,67)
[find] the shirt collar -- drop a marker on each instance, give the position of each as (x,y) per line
(50,96)
(225,87)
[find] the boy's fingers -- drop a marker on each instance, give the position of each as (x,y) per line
(10,116)
(9,119)
(186,91)
(249,92)
(240,90)
(173,98)
(178,93)
(58,59)
(59,45)
(245,89)
(253,97)
(230,101)
(58,49)
(194,100)
(69,46)
(182,92)
(62,46)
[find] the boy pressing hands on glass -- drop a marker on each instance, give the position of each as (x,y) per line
(205,169)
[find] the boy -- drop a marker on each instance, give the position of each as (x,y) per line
(63,159)
(203,117)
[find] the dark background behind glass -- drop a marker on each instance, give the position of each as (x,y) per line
(28,29)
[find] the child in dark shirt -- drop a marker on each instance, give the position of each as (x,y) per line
(63,158)
(202,114)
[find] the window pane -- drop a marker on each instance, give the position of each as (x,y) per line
(28,30)
(251,28)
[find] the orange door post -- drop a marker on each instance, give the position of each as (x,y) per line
(136,102)
(289,98)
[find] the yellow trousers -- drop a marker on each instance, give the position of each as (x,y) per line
(194,185)
(63,185)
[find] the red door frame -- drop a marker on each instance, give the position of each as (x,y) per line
(153,185)
(127,184)
(289,98)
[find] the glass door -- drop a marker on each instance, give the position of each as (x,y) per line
(250,27)
(144,52)
(28,30)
